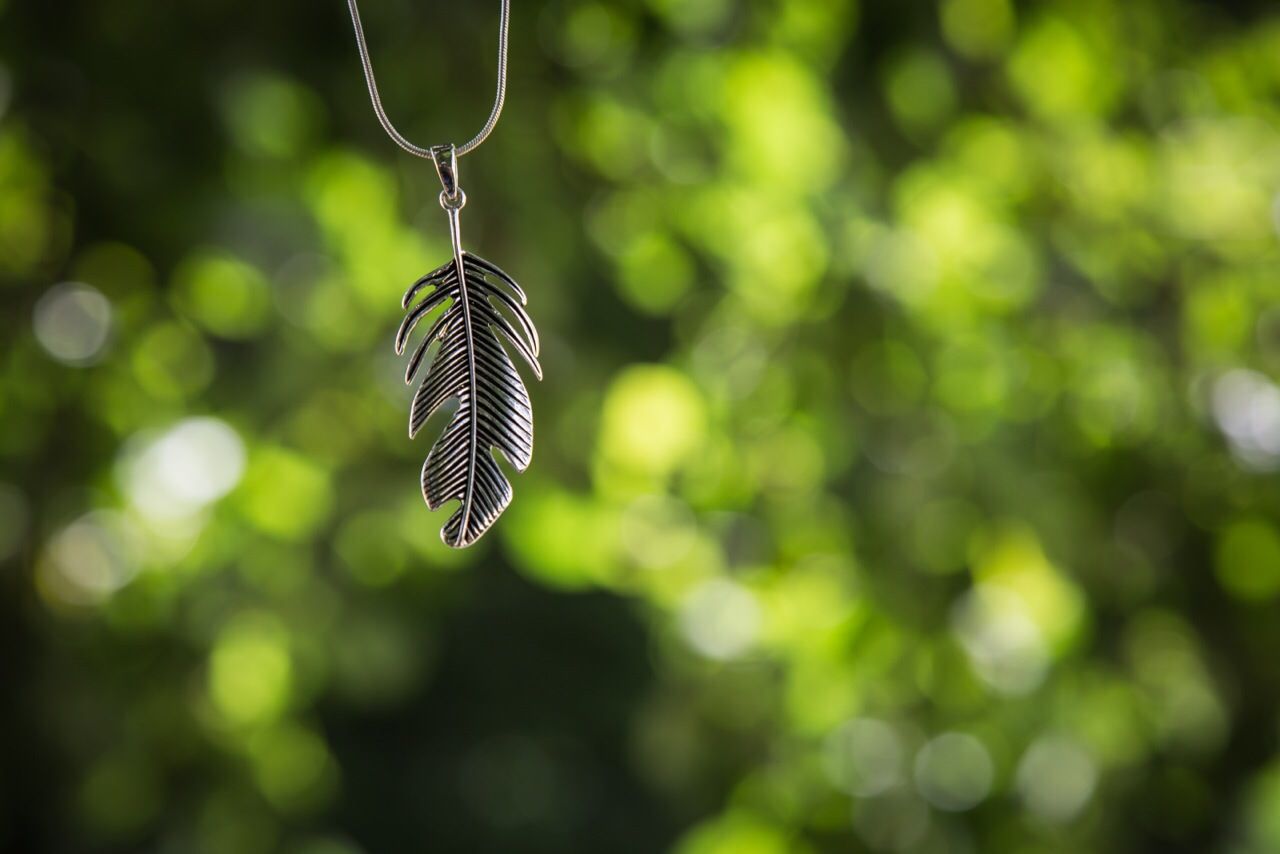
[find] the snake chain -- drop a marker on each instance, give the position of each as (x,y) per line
(503,26)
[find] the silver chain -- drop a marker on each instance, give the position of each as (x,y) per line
(408,146)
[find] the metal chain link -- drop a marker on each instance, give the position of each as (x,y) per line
(503,26)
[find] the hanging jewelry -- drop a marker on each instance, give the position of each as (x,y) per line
(477,304)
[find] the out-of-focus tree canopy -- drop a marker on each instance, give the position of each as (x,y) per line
(906,463)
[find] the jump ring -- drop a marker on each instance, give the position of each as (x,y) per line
(455,202)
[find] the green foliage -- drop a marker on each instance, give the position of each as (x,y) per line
(905,475)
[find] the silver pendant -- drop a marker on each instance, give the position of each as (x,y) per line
(472,367)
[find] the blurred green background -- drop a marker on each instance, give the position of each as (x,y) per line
(906,465)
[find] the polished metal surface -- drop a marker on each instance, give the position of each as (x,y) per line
(472,367)
(446,160)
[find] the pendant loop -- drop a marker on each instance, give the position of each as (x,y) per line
(446,160)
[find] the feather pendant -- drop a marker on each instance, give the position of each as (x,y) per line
(474,304)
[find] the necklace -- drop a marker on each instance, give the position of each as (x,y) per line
(471,365)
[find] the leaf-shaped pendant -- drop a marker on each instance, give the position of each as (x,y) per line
(471,366)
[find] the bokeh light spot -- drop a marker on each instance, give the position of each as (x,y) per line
(225,295)
(268,115)
(865,757)
(73,322)
(1059,73)
(285,493)
(178,473)
(653,418)
(954,772)
(737,833)
(1056,778)
(88,560)
(1246,406)
(692,18)
(979,29)
(172,361)
(565,539)
(654,273)
(721,619)
(773,104)
(597,36)
(1002,640)
(1248,559)
(251,670)
(656,531)
(920,91)
(292,767)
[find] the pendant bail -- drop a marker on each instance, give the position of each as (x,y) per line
(446,160)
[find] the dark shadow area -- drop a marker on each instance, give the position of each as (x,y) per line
(519,743)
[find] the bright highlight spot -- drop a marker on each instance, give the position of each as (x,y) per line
(1003,642)
(1246,407)
(72,323)
(1016,562)
(87,561)
(175,476)
(721,619)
